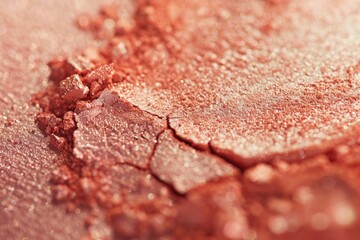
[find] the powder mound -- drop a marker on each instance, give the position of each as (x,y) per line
(235,76)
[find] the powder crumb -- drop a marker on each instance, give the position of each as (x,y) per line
(72,88)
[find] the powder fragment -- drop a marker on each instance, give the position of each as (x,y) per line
(72,88)
(110,130)
(185,168)
(57,142)
(69,121)
(78,65)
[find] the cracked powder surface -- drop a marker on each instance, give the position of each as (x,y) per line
(153,125)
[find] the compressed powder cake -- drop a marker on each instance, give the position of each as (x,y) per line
(186,119)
